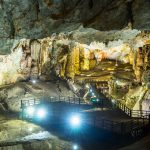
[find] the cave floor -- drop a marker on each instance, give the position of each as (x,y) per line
(13,130)
(18,133)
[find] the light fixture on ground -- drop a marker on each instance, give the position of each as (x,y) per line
(75,147)
(75,121)
(33,81)
(41,113)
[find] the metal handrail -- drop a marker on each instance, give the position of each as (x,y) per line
(132,113)
(33,101)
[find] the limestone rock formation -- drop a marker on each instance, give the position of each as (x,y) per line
(40,18)
(51,40)
(65,56)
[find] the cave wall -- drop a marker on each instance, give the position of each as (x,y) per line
(67,54)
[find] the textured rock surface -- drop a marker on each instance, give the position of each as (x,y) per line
(39,18)
(66,54)
(34,19)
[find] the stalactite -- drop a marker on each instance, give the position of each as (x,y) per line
(130,14)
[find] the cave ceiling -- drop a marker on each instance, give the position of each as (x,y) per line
(40,18)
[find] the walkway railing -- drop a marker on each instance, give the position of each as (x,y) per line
(51,99)
(70,100)
(79,101)
(132,113)
(133,127)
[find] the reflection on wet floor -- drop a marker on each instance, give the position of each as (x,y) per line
(50,135)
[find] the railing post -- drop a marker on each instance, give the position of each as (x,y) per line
(149,119)
(79,100)
(21,103)
(22,113)
(130,113)
(59,98)
(21,110)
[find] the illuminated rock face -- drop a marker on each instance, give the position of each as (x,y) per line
(66,57)
(9,67)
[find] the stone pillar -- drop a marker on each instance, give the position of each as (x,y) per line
(93,61)
(70,71)
(35,55)
(139,65)
(77,60)
(149,119)
(84,59)
(44,58)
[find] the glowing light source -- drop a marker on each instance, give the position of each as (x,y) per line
(113,101)
(33,81)
(93,94)
(75,147)
(75,121)
(87,86)
(41,112)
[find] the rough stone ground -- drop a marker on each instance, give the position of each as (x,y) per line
(21,135)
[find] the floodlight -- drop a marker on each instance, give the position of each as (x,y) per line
(75,120)
(75,147)
(41,113)
(33,81)
(93,94)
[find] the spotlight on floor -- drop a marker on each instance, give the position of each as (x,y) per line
(75,147)
(41,113)
(33,81)
(75,121)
